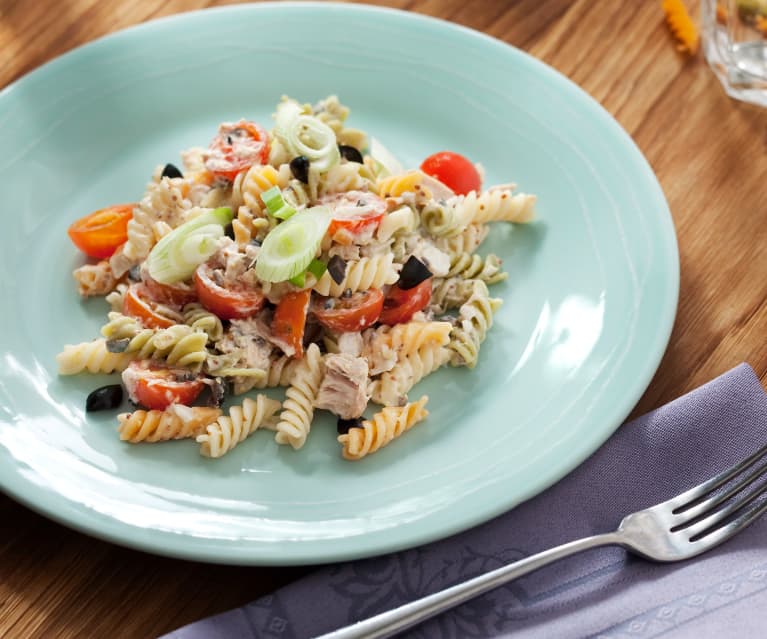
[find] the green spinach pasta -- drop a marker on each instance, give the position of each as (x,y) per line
(303,257)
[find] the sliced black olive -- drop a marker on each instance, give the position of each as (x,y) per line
(347,293)
(134,273)
(337,269)
(118,345)
(299,167)
(350,153)
(104,398)
(218,392)
(171,171)
(413,273)
(312,334)
(344,425)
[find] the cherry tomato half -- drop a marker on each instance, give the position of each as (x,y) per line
(137,303)
(227,303)
(157,388)
(290,319)
(454,171)
(354,211)
(177,294)
(100,233)
(237,147)
(349,314)
(400,305)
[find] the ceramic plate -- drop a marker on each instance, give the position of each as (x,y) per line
(587,312)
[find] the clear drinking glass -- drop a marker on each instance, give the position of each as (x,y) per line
(735,44)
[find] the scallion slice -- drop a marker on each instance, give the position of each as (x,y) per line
(385,163)
(306,135)
(276,204)
(175,257)
(290,247)
(316,267)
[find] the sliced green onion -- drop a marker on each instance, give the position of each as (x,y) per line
(276,204)
(175,257)
(385,163)
(316,267)
(299,280)
(290,247)
(306,135)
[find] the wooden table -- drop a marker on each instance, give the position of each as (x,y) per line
(710,155)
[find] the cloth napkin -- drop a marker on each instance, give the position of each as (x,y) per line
(603,593)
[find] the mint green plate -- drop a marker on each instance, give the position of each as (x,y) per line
(587,313)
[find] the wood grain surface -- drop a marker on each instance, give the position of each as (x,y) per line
(710,155)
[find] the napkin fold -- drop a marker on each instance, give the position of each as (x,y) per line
(604,593)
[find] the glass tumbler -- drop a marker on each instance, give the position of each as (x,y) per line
(735,45)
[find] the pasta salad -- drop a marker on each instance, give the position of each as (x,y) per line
(303,257)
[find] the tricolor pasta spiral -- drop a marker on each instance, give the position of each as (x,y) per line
(386,425)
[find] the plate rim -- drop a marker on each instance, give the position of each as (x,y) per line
(75,516)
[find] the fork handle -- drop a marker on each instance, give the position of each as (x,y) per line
(389,623)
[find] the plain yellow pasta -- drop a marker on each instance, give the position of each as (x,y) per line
(386,425)
(229,430)
(402,220)
(249,185)
(298,407)
(499,205)
(361,275)
(409,337)
(93,356)
(396,185)
(391,388)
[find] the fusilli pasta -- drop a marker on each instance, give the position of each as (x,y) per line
(229,430)
(361,275)
(475,318)
(391,388)
(93,356)
(298,408)
(386,425)
(175,422)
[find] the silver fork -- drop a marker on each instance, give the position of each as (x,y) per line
(680,528)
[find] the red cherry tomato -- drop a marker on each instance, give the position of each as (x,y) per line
(290,319)
(400,305)
(157,388)
(349,314)
(137,303)
(454,171)
(354,211)
(227,303)
(102,232)
(177,294)
(237,147)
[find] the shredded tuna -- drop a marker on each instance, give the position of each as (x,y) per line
(258,327)
(254,351)
(344,387)
(350,344)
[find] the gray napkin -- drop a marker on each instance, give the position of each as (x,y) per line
(601,593)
